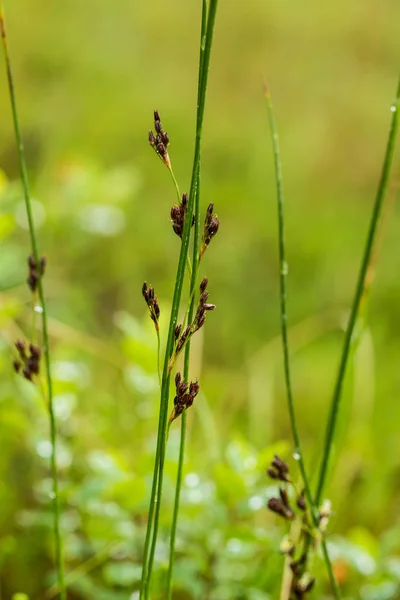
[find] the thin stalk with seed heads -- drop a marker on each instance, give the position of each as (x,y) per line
(284,333)
(45,334)
(193,282)
(155,499)
(368,252)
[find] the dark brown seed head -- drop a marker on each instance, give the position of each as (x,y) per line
(17,366)
(177,379)
(194,388)
(161,149)
(203,298)
(177,331)
(34,350)
(273,473)
(203,284)
(20,346)
(157,126)
(209,306)
(152,139)
(156,116)
(31,262)
(277,506)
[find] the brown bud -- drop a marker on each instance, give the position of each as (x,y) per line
(277,506)
(209,306)
(203,284)
(177,331)
(20,346)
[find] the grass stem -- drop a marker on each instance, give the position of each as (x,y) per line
(360,287)
(45,335)
(285,342)
(155,500)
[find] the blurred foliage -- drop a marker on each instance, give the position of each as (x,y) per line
(88,75)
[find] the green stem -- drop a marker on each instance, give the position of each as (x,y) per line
(285,342)
(376,213)
(45,335)
(154,508)
(158,356)
(176,185)
(196,244)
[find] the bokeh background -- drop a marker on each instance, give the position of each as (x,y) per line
(88,76)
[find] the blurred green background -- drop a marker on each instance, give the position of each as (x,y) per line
(88,76)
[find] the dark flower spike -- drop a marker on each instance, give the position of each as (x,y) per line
(178,215)
(35,272)
(277,506)
(211,226)
(160,141)
(183,398)
(279,470)
(199,319)
(152,303)
(29,363)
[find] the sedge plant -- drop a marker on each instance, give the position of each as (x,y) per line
(303,583)
(28,363)
(358,296)
(178,336)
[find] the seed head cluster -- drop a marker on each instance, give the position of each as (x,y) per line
(152,302)
(199,319)
(211,226)
(160,140)
(178,215)
(185,395)
(302,582)
(28,363)
(36,271)
(203,307)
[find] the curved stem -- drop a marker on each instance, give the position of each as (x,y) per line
(285,342)
(45,334)
(154,509)
(375,218)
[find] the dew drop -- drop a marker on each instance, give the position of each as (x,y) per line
(38,309)
(52,495)
(296,455)
(203,42)
(284,268)
(393,108)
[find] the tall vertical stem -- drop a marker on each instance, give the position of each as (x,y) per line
(155,500)
(369,246)
(45,335)
(285,342)
(196,243)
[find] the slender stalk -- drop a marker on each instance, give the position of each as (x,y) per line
(284,333)
(154,508)
(193,282)
(368,252)
(45,335)
(158,356)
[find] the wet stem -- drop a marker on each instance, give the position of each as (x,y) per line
(285,342)
(42,301)
(156,491)
(359,292)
